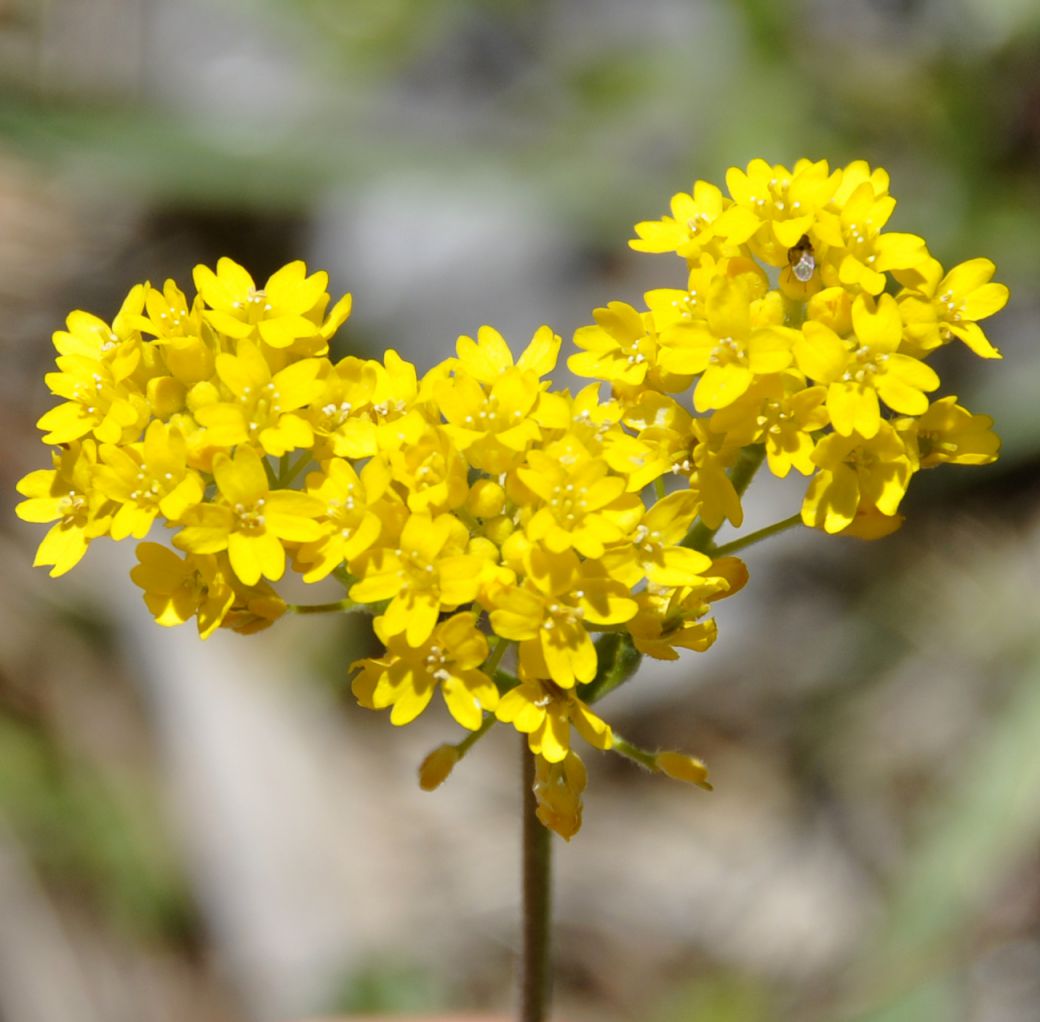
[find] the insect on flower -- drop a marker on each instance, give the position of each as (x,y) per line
(802,259)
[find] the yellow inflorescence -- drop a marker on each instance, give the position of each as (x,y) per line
(474,509)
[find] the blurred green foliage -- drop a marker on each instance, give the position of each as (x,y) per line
(720,998)
(103,835)
(388,987)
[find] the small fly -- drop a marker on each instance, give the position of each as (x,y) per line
(802,259)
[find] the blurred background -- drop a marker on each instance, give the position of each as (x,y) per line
(212,831)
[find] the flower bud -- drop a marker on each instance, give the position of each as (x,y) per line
(681,767)
(202,394)
(434,770)
(558,788)
(499,529)
(479,546)
(189,359)
(515,549)
(166,396)
(486,499)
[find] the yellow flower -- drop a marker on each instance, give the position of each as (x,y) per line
(742,337)
(862,254)
(406,677)
(426,573)
(653,551)
(669,618)
(937,308)
(783,204)
(639,462)
(250,521)
(168,314)
(474,496)
(265,409)
(856,472)
(390,418)
(702,221)
(177,589)
(488,357)
(547,614)
(255,607)
(117,346)
(97,403)
(948,433)
(189,360)
(349,526)
(709,456)
(493,426)
(662,443)
(337,413)
(67,496)
(147,480)
(781,412)
(858,173)
(431,472)
(621,346)
(579,505)
(589,419)
(864,367)
(287,309)
(669,306)
(544,712)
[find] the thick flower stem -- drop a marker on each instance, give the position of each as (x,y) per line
(534,953)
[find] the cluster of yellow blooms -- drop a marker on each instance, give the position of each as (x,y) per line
(474,509)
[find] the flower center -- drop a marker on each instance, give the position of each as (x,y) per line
(249,518)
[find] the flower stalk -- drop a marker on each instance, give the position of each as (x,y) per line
(743,542)
(537,899)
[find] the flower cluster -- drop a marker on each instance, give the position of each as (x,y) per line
(805,328)
(477,512)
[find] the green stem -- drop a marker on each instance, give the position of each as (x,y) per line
(700,537)
(504,681)
(617,661)
(496,656)
(633,752)
(756,536)
(468,520)
(343,606)
(474,736)
(534,956)
(286,478)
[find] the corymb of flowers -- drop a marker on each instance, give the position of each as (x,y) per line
(520,547)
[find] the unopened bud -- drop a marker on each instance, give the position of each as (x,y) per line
(681,767)
(166,396)
(434,770)
(499,529)
(480,546)
(515,549)
(486,499)
(558,788)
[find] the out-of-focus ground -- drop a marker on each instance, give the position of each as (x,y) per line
(213,832)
